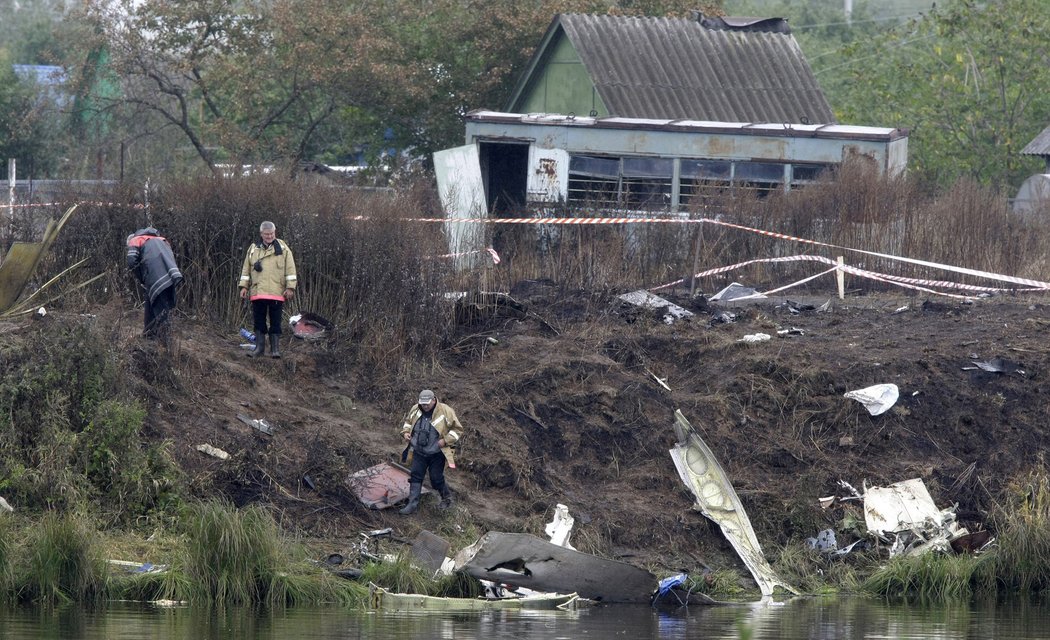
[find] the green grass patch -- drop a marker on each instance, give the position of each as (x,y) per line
(931,577)
(721,584)
(62,562)
(814,572)
(1021,560)
(231,556)
(70,434)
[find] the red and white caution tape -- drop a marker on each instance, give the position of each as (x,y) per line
(787,286)
(489,250)
(27,206)
(734,267)
(899,281)
(1036,284)
(63,204)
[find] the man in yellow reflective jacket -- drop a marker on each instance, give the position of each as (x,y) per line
(431,429)
(268,279)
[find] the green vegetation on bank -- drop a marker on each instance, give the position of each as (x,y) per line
(70,430)
(218,554)
(1022,561)
(240,556)
(931,577)
(221,554)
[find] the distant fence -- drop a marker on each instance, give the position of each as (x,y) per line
(43,190)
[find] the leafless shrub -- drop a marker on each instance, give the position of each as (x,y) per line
(360,264)
(377,276)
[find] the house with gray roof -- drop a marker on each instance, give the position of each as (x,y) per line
(703,68)
(627,114)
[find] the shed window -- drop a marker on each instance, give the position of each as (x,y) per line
(621,182)
(594,179)
(702,178)
(803,173)
(706,170)
(647,181)
(756,172)
(759,177)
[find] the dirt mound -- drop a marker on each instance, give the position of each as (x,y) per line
(561,398)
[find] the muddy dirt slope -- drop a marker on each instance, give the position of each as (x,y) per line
(560,398)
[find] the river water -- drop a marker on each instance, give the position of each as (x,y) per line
(803,618)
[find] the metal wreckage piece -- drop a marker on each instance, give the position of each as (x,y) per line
(21,261)
(526,561)
(382,599)
(381,486)
(904,513)
(717,500)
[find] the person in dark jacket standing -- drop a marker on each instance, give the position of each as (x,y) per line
(431,429)
(268,279)
(150,258)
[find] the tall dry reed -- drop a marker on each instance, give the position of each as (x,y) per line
(380,278)
(1022,522)
(241,556)
(62,562)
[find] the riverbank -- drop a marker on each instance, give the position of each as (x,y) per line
(562,405)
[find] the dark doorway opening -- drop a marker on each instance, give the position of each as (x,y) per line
(504,171)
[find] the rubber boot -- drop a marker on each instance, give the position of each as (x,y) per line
(413,499)
(260,344)
(446,499)
(275,340)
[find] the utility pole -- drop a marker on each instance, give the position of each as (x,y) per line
(11,182)
(5,222)
(847,8)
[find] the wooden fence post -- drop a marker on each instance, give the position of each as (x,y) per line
(840,275)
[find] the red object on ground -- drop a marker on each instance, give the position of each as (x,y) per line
(311,327)
(380,486)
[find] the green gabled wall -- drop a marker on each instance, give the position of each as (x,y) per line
(560,84)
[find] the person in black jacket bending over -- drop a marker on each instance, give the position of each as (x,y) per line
(150,258)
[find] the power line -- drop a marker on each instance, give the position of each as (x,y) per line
(854,22)
(875,55)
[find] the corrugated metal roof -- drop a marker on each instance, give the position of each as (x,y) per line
(1039,146)
(735,70)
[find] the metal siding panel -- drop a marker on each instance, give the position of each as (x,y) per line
(716,141)
(897,157)
(548,178)
(460,187)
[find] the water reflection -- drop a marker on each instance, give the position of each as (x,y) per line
(804,618)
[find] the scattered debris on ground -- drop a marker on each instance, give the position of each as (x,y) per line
(577,395)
